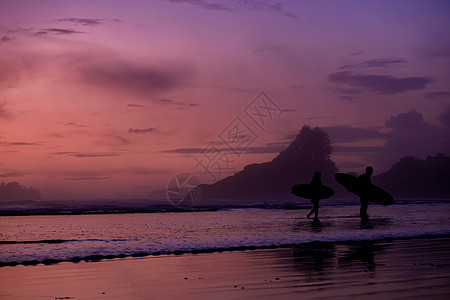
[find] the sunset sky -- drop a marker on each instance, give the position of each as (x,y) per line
(110,99)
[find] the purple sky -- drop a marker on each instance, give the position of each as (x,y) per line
(110,99)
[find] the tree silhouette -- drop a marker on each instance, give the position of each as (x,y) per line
(310,145)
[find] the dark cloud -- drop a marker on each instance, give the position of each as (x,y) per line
(6,39)
(376,63)
(141,131)
(85,155)
(132,78)
(264,6)
(437,95)
(64,153)
(239,5)
(82,21)
(412,136)
(20,143)
(58,31)
(411,119)
(380,84)
(203,4)
(186,150)
(136,105)
(74,124)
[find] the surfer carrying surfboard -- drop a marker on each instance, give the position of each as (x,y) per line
(366,191)
(314,191)
(362,184)
(315,184)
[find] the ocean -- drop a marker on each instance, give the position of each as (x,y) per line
(49,239)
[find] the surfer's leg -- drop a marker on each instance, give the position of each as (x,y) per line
(316,210)
(310,213)
(363,209)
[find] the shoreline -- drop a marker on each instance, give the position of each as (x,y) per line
(100,258)
(403,268)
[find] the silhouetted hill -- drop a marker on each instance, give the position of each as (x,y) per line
(417,178)
(14,191)
(309,152)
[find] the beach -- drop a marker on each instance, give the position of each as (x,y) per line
(398,268)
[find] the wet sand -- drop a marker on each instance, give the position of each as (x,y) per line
(398,269)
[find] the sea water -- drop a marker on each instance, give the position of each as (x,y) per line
(55,238)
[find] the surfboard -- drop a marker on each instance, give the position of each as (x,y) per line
(372,193)
(307,191)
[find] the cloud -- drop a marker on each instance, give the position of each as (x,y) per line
(141,131)
(437,95)
(57,31)
(263,6)
(380,84)
(20,143)
(86,155)
(239,5)
(412,136)
(74,124)
(203,4)
(376,63)
(5,39)
(187,150)
(132,78)
(82,21)
(136,105)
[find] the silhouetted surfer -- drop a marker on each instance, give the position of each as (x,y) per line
(362,184)
(366,191)
(316,184)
